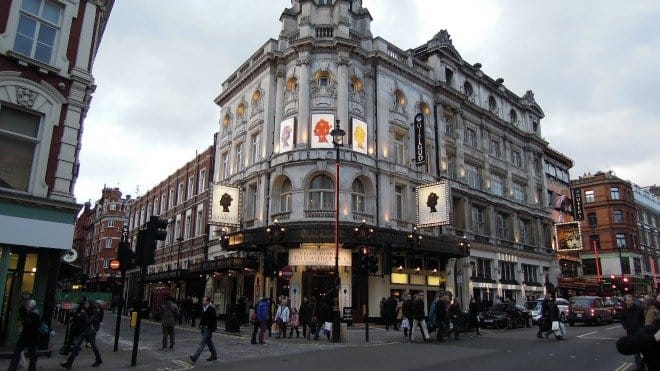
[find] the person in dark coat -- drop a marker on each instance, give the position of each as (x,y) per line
(169,313)
(456,315)
(552,316)
(88,322)
(195,310)
(442,317)
(390,312)
(407,314)
(323,314)
(474,308)
(208,323)
(305,316)
(418,315)
(646,341)
(543,320)
(632,320)
(314,315)
(29,336)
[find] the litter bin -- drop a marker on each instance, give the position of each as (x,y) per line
(232,323)
(134,316)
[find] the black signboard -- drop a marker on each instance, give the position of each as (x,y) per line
(347,314)
(578,209)
(420,139)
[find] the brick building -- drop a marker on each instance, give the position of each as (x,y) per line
(47,49)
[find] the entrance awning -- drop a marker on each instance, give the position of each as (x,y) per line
(223,264)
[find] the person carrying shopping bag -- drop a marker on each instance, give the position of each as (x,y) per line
(282,318)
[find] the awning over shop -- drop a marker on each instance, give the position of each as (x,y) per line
(224,264)
(167,275)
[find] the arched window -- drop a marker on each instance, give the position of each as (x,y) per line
(285,196)
(492,103)
(322,78)
(467,88)
(399,98)
(359,197)
(321,193)
(513,116)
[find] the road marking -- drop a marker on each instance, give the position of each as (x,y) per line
(614,328)
(588,333)
(183,366)
(624,366)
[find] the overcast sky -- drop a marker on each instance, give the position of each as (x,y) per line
(593,67)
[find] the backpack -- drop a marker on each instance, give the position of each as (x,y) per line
(262,311)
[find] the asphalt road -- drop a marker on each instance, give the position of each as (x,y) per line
(586,348)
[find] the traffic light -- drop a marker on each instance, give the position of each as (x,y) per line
(125,256)
(364,260)
(373,264)
(269,265)
(147,238)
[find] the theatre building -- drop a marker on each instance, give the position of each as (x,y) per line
(438,174)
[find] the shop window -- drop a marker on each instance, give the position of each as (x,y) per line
(19,135)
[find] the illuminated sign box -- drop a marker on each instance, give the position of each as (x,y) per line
(399,278)
(416,279)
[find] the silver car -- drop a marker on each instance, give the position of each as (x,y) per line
(534,306)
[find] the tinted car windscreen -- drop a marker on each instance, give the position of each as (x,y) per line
(581,302)
(531,305)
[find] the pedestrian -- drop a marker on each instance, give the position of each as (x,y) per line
(208,323)
(543,319)
(474,308)
(294,323)
(263,309)
(651,312)
(406,321)
(399,313)
(282,318)
(314,321)
(195,310)
(252,318)
(169,312)
(390,312)
(647,342)
(241,310)
(554,319)
(456,314)
(29,336)
(418,315)
(383,310)
(88,322)
(323,313)
(632,320)
(187,308)
(305,316)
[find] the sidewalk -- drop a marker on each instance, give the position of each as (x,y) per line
(231,346)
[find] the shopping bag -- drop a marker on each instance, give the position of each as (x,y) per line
(275,327)
(405,323)
(327,326)
(555,325)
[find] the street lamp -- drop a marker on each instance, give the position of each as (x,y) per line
(338,141)
(363,233)
(415,239)
(594,237)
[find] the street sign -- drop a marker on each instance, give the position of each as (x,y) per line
(114,264)
(67,305)
(287,273)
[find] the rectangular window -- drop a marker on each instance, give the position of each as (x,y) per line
(163,201)
(592,220)
(482,269)
(187,225)
(106,263)
(502,226)
(478,225)
(199,221)
(614,193)
(179,199)
(625,265)
(449,76)
(225,165)
(618,216)
(519,193)
(177,228)
(399,148)
(451,167)
(398,202)
(523,226)
(449,128)
(238,156)
(589,197)
(516,159)
(202,181)
(497,185)
(621,241)
(252,201)
(470,138)
(495,149)
(507,271)
(38,28)
(530,273)
(637,262)
(191,187)
(473,175)
(170,202)
(19,135)
(108,243)
(111,223)
(255,147)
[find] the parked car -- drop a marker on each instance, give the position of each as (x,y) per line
(506,315)
(588,310)
(534,306)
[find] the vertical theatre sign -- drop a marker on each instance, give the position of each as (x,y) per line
(578,210)
(225,202)
(420,140)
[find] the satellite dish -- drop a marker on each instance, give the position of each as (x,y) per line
(70,256)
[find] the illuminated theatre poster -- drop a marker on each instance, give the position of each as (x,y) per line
(569,236)
(359,136)
(225,205)
(322,125)
(433,204)
(287,134)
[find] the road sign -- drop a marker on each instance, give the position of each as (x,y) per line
(287,272)
(114,264)
(67,305)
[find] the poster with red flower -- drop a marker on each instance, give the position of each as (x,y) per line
(322,125)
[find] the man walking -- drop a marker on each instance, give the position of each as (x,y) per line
(543,319)
(208,323)
(29,336)
(407,320)
(418,314)
(263,312)
(88,322)
(169,313)
(632,320)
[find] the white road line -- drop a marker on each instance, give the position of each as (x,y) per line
(614,328)
(588,333)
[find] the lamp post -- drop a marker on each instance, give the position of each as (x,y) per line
(592,225)
(338,141)
(363,233)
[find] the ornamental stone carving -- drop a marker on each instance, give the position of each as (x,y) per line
(25,97)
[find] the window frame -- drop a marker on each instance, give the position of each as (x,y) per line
(39,22)
(321,199)
(589,196)
(358,196)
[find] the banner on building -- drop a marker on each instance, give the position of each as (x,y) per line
(287,134)
(322,125)
(569,236)
(225,205)
(578,209)
(420,139)
(359,136)
(433,204)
